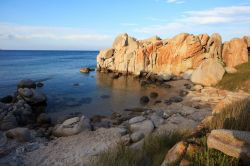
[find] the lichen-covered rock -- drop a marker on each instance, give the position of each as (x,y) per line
(209,73)
(234,143)
(235,52)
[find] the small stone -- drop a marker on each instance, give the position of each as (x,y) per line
(144,100)
(153,95)
(183,93)
(176,99)
(84,70)
(26,84)
(21,134)
(39,84)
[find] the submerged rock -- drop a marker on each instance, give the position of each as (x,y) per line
(26,84)
(144,100)
(6,99)
(85,70)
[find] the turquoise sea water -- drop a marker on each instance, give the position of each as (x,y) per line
(97,93)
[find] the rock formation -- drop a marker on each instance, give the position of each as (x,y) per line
(168,57)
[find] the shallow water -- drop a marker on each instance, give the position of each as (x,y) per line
(95,93)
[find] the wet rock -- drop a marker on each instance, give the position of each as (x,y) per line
(9,122)
(25,92)
(6,99)
(71,127)
(153,95)
(137,136)
(168,102)
(32,96)
(20,134)
(26,84)
(105,96)
(183,93)
(145,82)
(176,99)
(85,70)
(144,100)
(97,118)
(43,118)
(39,84)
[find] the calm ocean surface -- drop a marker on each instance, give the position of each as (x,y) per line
(97,93)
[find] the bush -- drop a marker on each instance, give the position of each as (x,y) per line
(234,116)
(152,153)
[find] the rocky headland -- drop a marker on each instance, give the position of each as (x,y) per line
(189,65)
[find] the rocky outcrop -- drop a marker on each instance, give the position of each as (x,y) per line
(231,142)
(235,52)
(177,56)
(209,73)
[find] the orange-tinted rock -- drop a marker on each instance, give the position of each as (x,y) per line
(235,52)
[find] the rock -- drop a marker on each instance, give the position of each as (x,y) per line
(26,84)
(137,136)
(187,74)
(247,40)
(235,52)
(234,143)
(185,162)
(230,70)
(85,70)
(197,88)
(115,76)
(9,122)
(153,95)
(183,93)
(71,126)
(175,153)
(20,134)
(144,100)
(209,73)
(146,127)
(176,99)
(25,92)
(138,145)
(6,99)
(214,46)
(39,84)
(120,41)
(107,53)
(157,120)
(188,86)
(136,119)
(43,118)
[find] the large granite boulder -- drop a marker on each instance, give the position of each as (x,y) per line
(235,52)
(214,46)
(71,126)
(231,142)
(209,73)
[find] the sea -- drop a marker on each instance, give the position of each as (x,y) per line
(69,91)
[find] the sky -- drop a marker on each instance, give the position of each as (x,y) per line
(93,24)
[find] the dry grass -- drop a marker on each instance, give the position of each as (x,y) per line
(237,81)
(234,116)
(151,154)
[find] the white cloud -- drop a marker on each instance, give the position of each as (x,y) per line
(212,20)
(42,37)
(175,1)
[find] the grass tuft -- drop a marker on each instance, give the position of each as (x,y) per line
(152,153)
(237,81)
(234,116)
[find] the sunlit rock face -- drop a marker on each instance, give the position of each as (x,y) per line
(172,56)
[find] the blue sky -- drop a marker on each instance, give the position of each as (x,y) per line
(93,24)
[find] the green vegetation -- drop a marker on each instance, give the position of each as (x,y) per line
(152,153)
(211,157)
(237,81)
(234,116)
